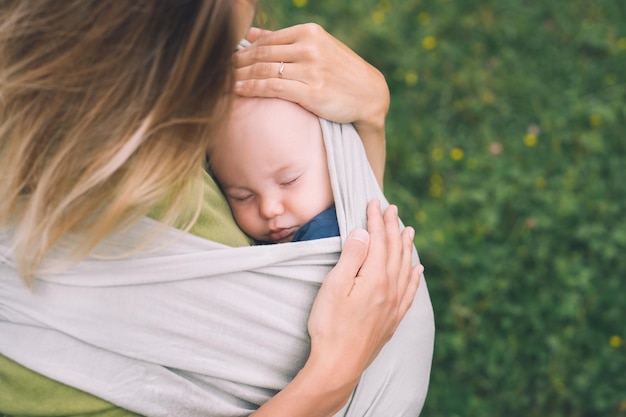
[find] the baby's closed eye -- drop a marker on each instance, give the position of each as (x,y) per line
(239,198)
(290,180)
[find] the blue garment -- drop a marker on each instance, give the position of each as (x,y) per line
(321,226)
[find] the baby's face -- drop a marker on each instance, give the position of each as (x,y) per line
(272,168)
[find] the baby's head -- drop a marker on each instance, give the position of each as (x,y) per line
(271,165)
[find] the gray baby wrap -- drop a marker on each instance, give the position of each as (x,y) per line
(196,328)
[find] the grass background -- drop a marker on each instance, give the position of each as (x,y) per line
(506,152)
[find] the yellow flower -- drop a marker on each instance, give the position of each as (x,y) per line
(429,43)
(530,140)
(615,341)
(384,5)
(421,216)
(595,120)
(411,78)
(540,182)
(456,154)
(437,154)
(621,43)
(435,190)
(300,3)
(423,18)
(488,97)
(378,17)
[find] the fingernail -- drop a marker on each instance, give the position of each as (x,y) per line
(411,232)
(361,235)
(238,85)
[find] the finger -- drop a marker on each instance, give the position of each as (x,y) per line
(404,274)
(391,220)
(286,35)
(255,54)
(255,33)
(353,255)
(264,70)
(377,252)
(375,223)
(409,295)
(394,241)
(273,87)
(289,45)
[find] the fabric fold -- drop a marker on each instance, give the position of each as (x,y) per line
(194,328)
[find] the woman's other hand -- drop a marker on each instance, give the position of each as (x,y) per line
(307,65)
(366,295)
(359,306)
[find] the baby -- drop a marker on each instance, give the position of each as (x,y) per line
(271,165)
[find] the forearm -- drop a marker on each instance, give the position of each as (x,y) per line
(371,123)
(317,391)
(373,137)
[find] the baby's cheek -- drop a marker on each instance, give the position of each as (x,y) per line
(242,217)
(314,204)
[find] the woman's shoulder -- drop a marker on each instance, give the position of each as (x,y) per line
(27,393)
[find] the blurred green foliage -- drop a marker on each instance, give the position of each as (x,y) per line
(506,152)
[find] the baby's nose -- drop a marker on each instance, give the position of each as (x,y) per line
(271,207)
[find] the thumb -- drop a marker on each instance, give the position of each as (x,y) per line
(352,257)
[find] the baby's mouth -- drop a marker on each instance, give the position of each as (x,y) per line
(280,234)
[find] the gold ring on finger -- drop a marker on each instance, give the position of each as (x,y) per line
(281,69)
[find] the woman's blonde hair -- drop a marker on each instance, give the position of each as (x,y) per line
(106,111)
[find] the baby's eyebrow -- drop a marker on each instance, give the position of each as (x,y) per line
(235,188)
(289,169)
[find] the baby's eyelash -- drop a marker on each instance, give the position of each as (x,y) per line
(291,181)
(240,198)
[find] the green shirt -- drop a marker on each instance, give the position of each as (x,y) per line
(25,393)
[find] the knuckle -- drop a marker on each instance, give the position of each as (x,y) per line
(264,69)
(247,87)
(312,52)
(275,86)
(259,54)
(313,29)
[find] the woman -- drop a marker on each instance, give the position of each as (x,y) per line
(107,110)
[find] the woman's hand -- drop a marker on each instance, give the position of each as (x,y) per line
(322,75)
(359,306)
(357,310)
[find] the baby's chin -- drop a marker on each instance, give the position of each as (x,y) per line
(285,240)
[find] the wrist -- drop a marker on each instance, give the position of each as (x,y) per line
(327,385)
(318,390)
(375,111)
(371,125)
(372,135)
